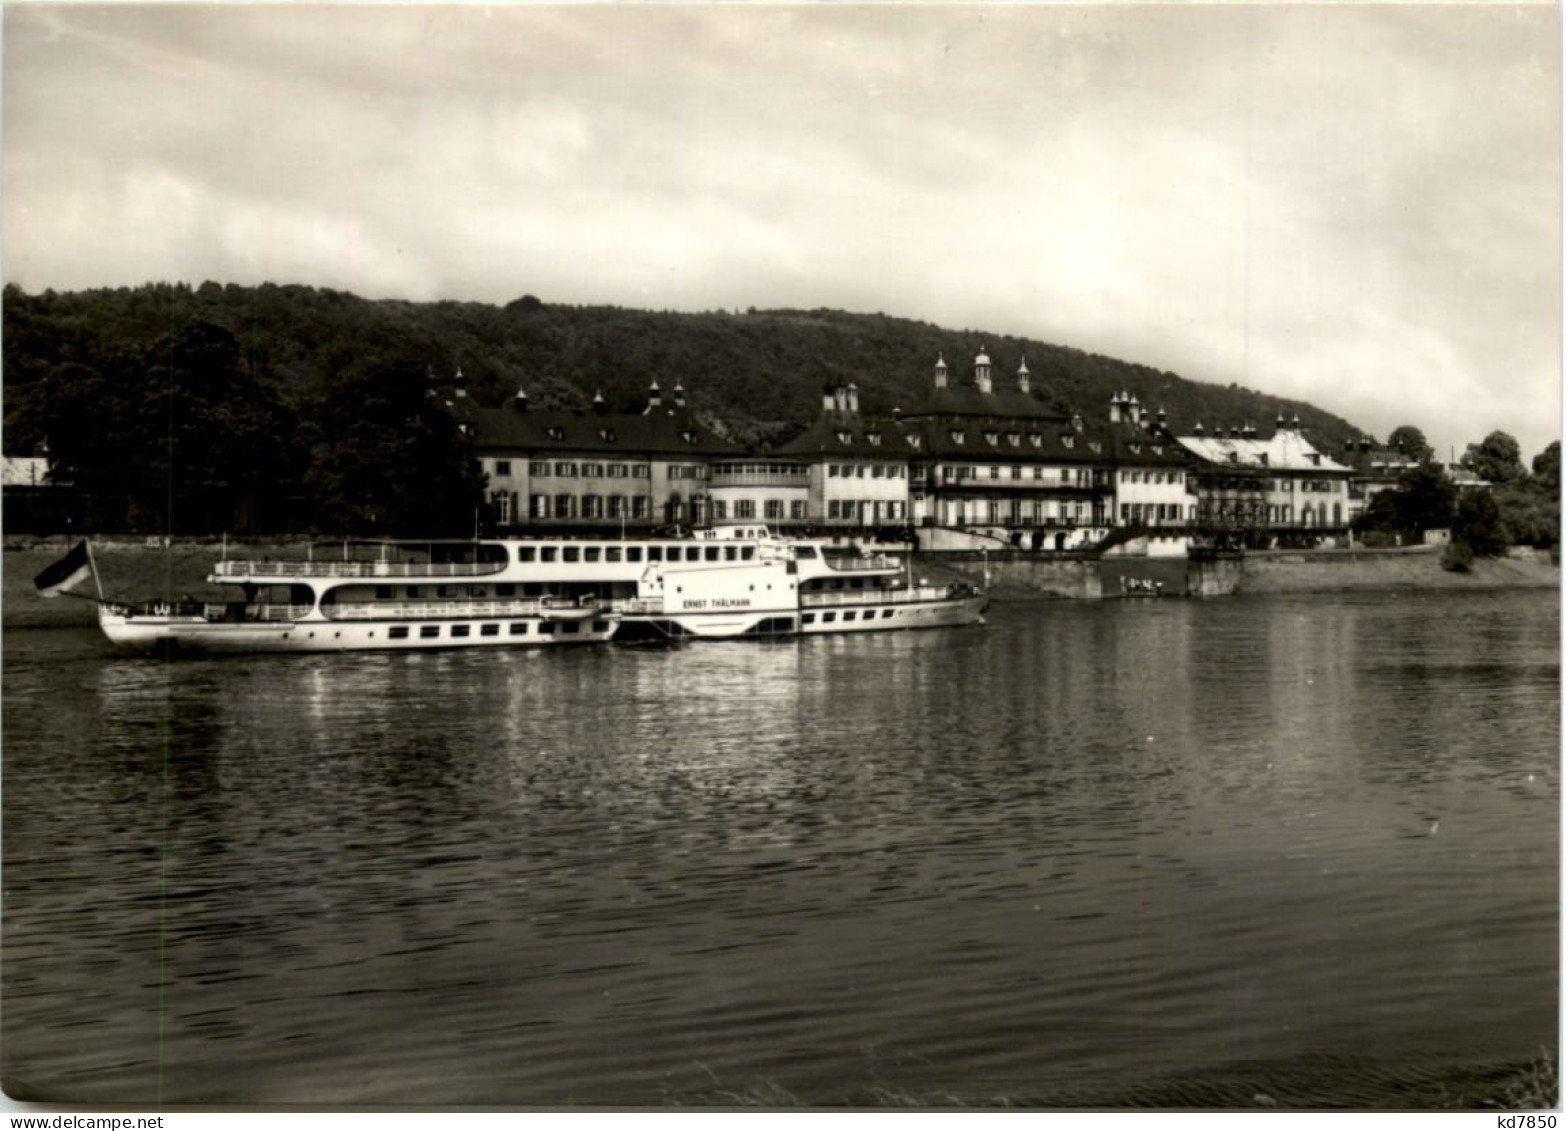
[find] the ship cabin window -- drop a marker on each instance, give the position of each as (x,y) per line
(546,628)
(398,632)
(612,553)
(655,553)
(569,627)
(810,618)
(478,591)
(548,553)
(849,615)
(426,631)
(731,553)
(415,592)
(445,590)
(525,553)
(600,626)
(518,628)
(712,553)
(693,553)
(571,554)
(459,629)
(383,592)
(505,590)
(828,618)
(633,553)
(592,553)
(803,552)
(748,553)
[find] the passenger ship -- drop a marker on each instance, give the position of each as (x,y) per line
(737,581)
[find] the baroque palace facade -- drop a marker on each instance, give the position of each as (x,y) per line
(976,461)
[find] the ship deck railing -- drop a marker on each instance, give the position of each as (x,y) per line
(425,610)
(852,565)
(237,569)
(901,595)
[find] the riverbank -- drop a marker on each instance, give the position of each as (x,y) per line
(1342,571)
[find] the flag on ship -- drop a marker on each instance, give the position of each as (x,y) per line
(68,572)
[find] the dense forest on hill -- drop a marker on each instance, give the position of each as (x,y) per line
(298,390)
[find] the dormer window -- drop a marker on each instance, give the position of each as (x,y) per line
(1035,439)
(874,438)
(557,433)
(913,441)
(688,436)
(1069,441)
(992,438)
(1014,438)
(958,437)
(606,434)
(1158,449)
(1095,445)
(843,437)
(1136,449)
(1315,459)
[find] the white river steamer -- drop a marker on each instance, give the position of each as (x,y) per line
(731,582)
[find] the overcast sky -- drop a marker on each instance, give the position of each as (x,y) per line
(1358,206)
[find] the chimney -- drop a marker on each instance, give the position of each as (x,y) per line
(1364,443)
(519,402)
(1163,420)
(679,395)
(654,395)
(828,398)
(981,371)
(1024,378)
(840,398)
(459,386)
(852,396)
(1198,430)
(940,372)
(1076,422)
(599,405)
(897,413)
(1114,409)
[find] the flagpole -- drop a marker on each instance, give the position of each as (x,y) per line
(91,561)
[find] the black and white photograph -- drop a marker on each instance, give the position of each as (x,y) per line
(756,557)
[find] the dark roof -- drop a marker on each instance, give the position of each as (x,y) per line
(850,434)
(1136,447)
(666,430)
(969,401)
(1377,461)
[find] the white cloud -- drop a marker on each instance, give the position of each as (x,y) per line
(1355,205)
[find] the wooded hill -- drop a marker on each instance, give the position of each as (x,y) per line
(283,384)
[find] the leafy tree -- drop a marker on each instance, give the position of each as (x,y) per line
(1477,524)
(388,458)
(1411,442)
(1547,464)
(1495,459)
(1426,498)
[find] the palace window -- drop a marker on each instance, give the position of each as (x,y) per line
(796,509)
(774,509)
(565,469)
(744,508)
(539,467)
(503,468)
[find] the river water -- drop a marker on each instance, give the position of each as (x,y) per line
(1255,851)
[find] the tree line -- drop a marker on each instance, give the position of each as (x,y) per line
(275,409)
(1521,506)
